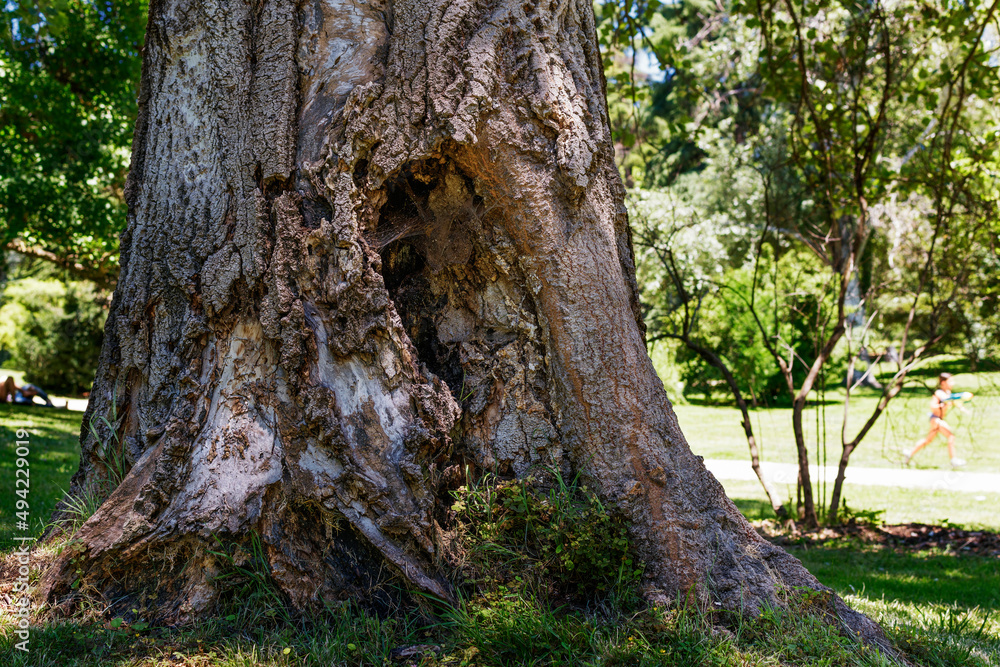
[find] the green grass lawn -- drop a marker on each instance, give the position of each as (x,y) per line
(715,432)
(914,577)
(53,458)
(942,594)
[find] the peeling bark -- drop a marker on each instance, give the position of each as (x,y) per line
(366,242)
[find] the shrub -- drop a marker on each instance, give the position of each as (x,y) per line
(54,331)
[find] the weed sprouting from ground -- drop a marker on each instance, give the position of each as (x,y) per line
(112,462)
(248,596)
(110,451)
(553,537)
(76,509)
(860,517)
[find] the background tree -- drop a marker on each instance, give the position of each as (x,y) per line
(53,330)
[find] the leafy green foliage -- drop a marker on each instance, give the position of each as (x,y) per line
(827,175)
(53,330)
(816,125)
(69,74)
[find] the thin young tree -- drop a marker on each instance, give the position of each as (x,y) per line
(678,319)
(852,80)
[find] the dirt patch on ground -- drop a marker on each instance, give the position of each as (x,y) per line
(36,560)
(907,536)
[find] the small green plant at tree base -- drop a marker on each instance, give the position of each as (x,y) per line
(110,453)
(248,596)
(861,517)
(76,509)
(546,529)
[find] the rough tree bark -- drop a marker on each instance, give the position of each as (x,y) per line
(367,241)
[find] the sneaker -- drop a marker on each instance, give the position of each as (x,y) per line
(908,454)
(957,462)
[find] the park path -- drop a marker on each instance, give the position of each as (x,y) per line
(938,480)
(73,404)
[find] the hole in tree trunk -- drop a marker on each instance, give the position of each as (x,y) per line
(455,281)
(401,238)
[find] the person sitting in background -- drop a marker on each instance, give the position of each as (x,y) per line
(23,395)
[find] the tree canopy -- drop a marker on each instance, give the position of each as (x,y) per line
(69,72)
(815,188)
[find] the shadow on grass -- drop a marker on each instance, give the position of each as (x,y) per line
(876,571)
(920,577)
(54,454)
(508,629)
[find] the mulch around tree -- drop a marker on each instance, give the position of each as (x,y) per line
(904,536)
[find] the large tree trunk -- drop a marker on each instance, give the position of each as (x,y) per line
(366,242)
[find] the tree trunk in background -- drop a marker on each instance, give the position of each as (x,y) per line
(367,242)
